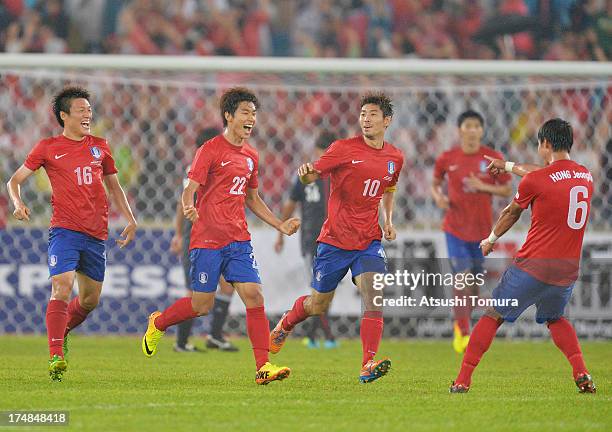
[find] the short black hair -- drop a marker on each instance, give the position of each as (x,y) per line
(470,114)
(206,135)
(559,134)
(381,99)
(232,98)
(325,139)
(63,100)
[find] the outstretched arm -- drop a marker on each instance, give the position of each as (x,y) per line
(499,166)
(263,212)
(22,212)
(118,196)
(507,219)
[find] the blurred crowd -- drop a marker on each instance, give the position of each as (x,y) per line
(440,29)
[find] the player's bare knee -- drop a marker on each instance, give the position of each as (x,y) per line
(319,305)
(60,291)
(89,302)
(202,306)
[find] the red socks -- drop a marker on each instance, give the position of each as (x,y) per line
(296,315)
(180,310)
(462,313)
(371,333)
(56,326)
(480,341)
(258,330)
(564,336)
(76,314)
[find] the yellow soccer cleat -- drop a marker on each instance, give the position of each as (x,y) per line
(152,336)
(57,368)
(269,372)
(460,342)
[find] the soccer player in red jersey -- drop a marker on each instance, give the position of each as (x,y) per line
(468,217)
(224,175)
(363,171)
(546,266)
(79,165)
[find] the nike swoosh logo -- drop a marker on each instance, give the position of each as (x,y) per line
(147,347)
(54,339)
(356,162)
(60,156)
(224,163)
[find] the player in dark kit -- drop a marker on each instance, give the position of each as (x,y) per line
(78,165)
(312,199)
(224,175)
(546,266)
(469,214)
(363,171)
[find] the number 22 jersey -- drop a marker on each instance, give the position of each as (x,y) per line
(359,176)
(224,172)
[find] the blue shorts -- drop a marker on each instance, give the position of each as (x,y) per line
(73,250)
(464,256)
(331,264)
(236,262)
(550,300)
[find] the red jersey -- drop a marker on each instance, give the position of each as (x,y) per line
(76,170)
(224,171)
(470,216)
(359,175)
(560,198)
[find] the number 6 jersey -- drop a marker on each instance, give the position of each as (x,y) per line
(76,170)
(359,176)
(560,198)
(224,172)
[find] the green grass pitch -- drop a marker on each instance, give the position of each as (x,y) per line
(111,386)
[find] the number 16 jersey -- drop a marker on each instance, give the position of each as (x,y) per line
(359,176)
(224,172)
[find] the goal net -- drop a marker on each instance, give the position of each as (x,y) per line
(152,120)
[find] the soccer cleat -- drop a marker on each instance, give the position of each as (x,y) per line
(311,343)
(460,342)
(152,336)
(187,348)
(65,347)
(269,372)
(331,344)
(374,369)
(57,367)
(585,384)
(458,388)
(220,344)
(278,336)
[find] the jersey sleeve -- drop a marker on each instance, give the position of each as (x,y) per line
(297,191)
(526,192)
(198,172)
(393,185)
(254,180)
(330,160)
(37,156)
(108,163)
(440,167)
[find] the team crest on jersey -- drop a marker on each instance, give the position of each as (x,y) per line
(53,260)
(483,166)
(391,167)
(95,152)
(250,164)
(203,277)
